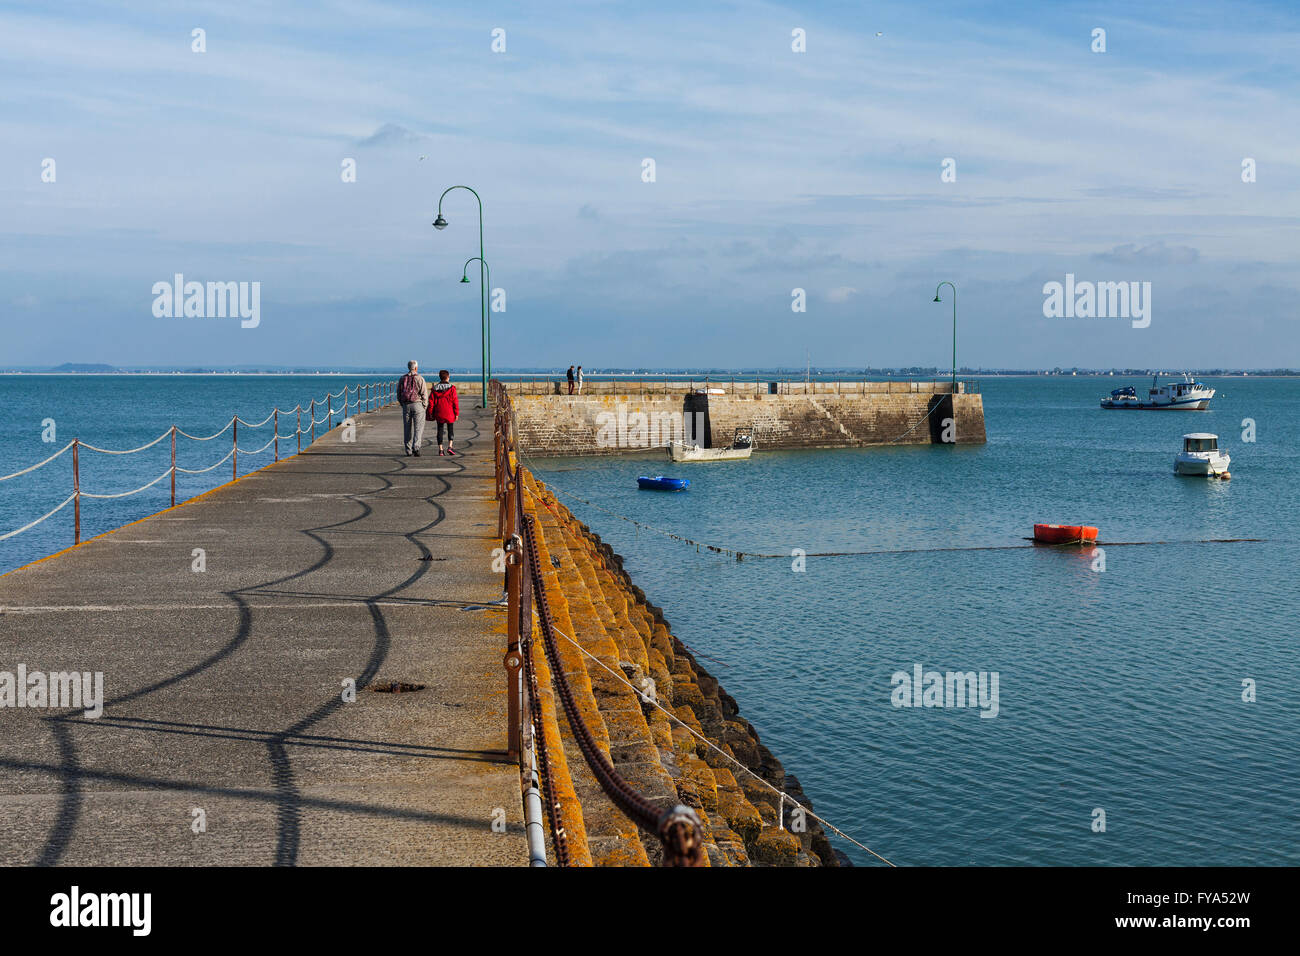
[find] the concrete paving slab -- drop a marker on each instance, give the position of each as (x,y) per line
(225,688)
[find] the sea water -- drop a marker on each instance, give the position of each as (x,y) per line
(1124,683)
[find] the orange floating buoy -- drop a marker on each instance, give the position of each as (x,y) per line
(1065,534)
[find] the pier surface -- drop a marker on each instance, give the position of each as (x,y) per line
(226,738)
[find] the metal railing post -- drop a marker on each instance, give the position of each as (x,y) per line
(234,455)
(512,545)
(277,434)
(298,430)
(173,466)
(312,413)
(76,493)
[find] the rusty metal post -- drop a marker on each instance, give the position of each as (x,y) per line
(512,545)
(173,466)
(298,430)
(277,434)
(76,493)
(312,413)
(234,455)
(502,504)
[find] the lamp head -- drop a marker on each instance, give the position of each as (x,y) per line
(464,278)
(936,297)
(440,223)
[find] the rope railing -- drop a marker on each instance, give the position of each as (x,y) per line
(40,464)
(258,451)
(66,501)
(185,434)
(274,412)
(199,471)
(126,494)
(377,395)
(123,451)
(678,828)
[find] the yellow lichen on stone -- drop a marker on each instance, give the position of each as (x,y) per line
(632,672)
(776,847)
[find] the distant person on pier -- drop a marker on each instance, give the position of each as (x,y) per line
(444,408)
(412,395)
(570,379)
(579,379)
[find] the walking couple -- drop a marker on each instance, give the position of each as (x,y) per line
(421,403)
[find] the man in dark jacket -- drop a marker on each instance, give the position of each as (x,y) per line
(570,376)
(444,408)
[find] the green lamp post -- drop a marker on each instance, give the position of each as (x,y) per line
(954,328)
(440,223)
(464,277)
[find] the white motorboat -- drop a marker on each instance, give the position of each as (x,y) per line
(1187,395)
(742,446)
(1201,456)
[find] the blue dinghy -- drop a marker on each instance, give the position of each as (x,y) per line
(660,483)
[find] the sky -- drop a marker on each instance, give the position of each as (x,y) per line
(774,171)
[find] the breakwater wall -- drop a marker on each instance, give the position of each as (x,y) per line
(619,656)
(622,417)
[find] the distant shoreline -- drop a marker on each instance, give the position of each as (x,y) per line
(771,375)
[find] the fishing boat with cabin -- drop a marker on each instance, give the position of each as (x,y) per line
(1187,395)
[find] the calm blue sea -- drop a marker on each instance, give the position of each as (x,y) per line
(1119,690)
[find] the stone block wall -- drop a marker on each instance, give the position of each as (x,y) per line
(605,423)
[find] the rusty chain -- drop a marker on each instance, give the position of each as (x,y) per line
(678,828)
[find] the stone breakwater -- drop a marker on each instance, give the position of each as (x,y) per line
(633,653)
(615,418)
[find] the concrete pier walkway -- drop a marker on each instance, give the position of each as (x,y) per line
(225,688)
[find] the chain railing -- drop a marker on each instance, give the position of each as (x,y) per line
(678,828)
(376,395)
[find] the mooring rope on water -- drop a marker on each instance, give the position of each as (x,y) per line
(741,555)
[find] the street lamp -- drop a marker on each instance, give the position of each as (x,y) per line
(954,328)
(464,277)
(440,224)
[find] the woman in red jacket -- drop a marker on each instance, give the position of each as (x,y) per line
(444,408)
